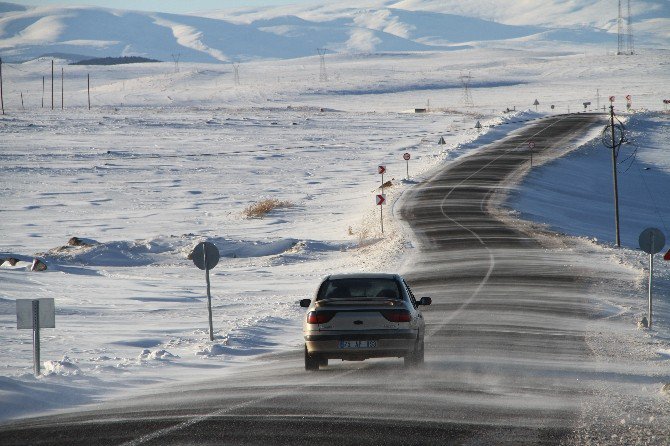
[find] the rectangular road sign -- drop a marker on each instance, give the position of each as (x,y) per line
(381,169)
(381,199)
(24,313)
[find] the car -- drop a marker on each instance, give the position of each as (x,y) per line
(354,317)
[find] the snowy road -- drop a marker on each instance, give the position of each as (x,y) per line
(507,360)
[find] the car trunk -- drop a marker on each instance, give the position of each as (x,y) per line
(358,314)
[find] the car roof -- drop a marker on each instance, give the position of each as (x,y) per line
(363,276)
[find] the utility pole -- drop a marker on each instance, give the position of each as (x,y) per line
(323,75)
(52,84)
(62,84)
(2,101)
(175,58)
(620,39)
(630,48)
(598,99)
(236,73)
(88,89)
(467,95)
(42,91)
(614,175)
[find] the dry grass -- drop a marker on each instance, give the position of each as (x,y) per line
(262,208)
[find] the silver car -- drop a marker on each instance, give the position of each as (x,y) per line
(358,316)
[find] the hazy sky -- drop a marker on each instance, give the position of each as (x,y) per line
(176,6)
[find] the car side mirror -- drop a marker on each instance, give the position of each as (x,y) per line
(305,303)
(425,301)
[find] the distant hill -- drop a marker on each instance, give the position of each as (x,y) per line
(114,60)
(295,31)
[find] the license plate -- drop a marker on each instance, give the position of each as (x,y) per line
(358,344)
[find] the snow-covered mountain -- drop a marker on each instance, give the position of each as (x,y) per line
(296,31)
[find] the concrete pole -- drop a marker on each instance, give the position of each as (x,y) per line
(614,175)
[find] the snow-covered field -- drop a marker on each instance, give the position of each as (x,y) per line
(166,159)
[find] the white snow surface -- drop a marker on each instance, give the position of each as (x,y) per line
(166,159)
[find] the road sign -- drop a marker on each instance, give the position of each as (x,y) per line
(406,156)
(612,98)
(381,170)
(667,256)
(478,125)
(553,106)
(381,199)
(441,141)
(206,255)
(24,313)
(536,102)
(531,144)
(629,98)
(652,241)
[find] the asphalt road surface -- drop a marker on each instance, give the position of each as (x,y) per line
(506,358)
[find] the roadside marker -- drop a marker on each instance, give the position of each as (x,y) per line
(380,200)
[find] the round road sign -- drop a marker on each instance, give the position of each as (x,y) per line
(206,255)
(531,144)
(406,156)
(652,241)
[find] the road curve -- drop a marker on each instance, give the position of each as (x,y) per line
(504,355)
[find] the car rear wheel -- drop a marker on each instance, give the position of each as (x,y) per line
(416,358)
(311,361)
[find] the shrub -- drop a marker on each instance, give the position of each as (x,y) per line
(263,207)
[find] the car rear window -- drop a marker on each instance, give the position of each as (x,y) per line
(359,289)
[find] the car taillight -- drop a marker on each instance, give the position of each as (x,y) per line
(397,315)
(319,317)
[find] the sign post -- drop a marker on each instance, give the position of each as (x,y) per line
(651,241)
(531,146)
(381,199)
(34,314)
(206,256)
(406,157)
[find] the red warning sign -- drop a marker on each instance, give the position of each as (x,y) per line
(381,169)
(667,256)
(381,199)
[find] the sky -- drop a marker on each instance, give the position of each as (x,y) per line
(173,6)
